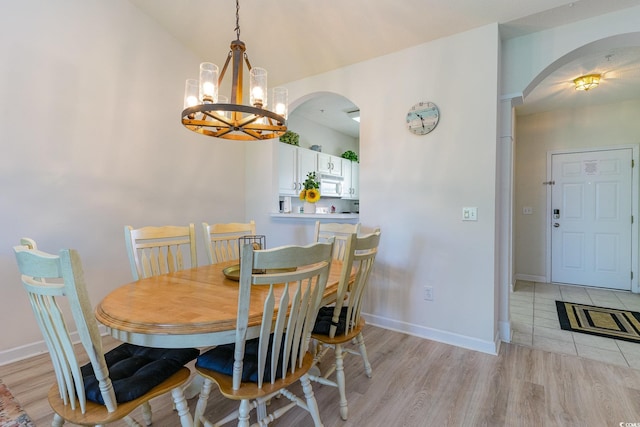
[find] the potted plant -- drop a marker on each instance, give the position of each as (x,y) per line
(350,155)
(290,137)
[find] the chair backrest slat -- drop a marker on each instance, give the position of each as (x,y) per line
(159,250)
(341,232)
(222,239)
(361,253)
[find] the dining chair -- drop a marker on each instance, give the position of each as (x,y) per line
(158,250)
(270,351)
(222,239)
(341,232)
(342,323)
(112,384)
(367,229)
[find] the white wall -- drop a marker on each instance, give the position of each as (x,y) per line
(311,133)
(414,187)
(589,127)
(90,99)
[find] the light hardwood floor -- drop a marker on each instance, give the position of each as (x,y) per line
(417,382)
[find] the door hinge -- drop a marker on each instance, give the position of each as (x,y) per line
(631,219)
(633,163)
(632,275)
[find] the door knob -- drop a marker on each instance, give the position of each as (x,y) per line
(556,225)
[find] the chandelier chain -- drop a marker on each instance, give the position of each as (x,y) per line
(237,29)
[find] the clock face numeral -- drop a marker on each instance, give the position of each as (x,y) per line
(422,118)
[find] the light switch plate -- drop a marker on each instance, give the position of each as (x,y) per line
(469,214)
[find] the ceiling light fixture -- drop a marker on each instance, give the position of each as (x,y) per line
(214,115)
(587,82)
(354,115)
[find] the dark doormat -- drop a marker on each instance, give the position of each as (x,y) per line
(601,321)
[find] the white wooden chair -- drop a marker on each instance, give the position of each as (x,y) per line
(158,250)
(341,232)
(341,324)
(270,353)
(87,395)
(366,229)
(222,239)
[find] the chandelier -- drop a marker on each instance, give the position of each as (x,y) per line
(587,82)
(211,114)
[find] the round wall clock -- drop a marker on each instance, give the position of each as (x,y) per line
(422,118)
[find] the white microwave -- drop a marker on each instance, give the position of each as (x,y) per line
(331,186)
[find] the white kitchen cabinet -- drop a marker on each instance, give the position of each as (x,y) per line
(293,165)
(351,175)
(329,165)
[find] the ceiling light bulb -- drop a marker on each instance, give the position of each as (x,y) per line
(587,82)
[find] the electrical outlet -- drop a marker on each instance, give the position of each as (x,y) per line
(428,293)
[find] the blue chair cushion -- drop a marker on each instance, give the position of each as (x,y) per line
(220,359)
(324,321)
(135,370)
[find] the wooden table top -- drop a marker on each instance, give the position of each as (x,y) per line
(194,307)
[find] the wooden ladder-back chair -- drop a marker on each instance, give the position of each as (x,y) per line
(270,352)
(221,240)
(88,395)
(158,250)
(341,232)
(340,324)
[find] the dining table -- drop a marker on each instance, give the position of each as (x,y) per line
(196,307)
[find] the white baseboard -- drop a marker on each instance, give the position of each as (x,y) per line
(470,343)
(531,278)
(34,349)
(23,352)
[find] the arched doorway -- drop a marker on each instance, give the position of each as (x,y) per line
(513,206)
(325,122)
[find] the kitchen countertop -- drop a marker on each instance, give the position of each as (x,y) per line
(316,215)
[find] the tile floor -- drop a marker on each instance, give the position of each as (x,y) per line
(534,321)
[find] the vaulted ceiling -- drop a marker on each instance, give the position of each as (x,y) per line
(294,39)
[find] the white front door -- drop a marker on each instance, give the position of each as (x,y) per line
(591,217)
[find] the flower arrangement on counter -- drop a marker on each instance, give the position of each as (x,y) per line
(311,189)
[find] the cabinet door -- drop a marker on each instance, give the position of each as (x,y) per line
(355,180)
(307,162)
(336,166)
(287,170)
(329,165)
(346,183)
(324,163)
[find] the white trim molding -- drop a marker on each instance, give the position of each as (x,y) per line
(489,347)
